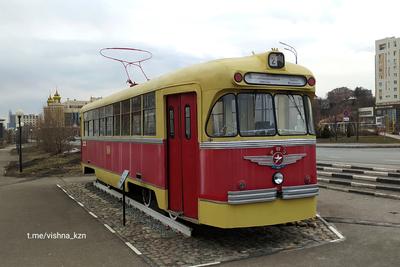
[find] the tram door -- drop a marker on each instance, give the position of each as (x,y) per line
(182,154)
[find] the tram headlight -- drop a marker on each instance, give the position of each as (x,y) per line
(277,178)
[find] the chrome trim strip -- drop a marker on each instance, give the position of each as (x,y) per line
(301,191)
(123,139)
(256,143)
(251,196)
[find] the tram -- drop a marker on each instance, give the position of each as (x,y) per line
(228,143)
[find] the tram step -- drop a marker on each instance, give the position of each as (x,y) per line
(364,191)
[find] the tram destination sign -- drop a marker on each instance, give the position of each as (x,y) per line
(121,182)
(275,79)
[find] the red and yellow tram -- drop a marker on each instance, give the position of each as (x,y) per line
(228,143)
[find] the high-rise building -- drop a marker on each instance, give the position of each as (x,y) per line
(11,121)
(387,81)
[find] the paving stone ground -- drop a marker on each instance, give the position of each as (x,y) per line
(161,246)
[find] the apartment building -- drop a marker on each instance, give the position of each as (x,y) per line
(387,81)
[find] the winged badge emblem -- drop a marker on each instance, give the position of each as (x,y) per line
(277,159)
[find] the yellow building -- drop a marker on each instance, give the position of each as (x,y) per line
(54,112)
(66,114)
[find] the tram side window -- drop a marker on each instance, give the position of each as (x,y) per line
(125,117)
(96,122)
(310,119)
(109,120)
(149,114)
(117,118)
(256,115)
(86,124)
(290,114)
(90,123)
(102,121)
(136,122)
(222,120)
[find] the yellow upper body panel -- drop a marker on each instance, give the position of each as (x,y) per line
(213,75)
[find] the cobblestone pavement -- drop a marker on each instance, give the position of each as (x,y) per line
(161,246)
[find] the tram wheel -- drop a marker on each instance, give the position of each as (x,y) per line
(146,196)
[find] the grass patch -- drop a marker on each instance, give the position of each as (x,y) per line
(370,139)
(37,163)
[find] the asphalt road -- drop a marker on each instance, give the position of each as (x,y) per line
(367,242)
(38,206)
(377,157)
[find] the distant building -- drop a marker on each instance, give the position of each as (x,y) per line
(2,130)
(387,81)
(30,119)
(11,121)
(54,111)
(366,115)
(64,114)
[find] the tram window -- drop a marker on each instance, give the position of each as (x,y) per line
(310,119)
(222,120)
(109,120)
(117,118)
(90,123)
(256,115)
(136,115)
(102,121)
(187,122)
(125,117)
(149,114)
(290,114)
(96,122)
(171,123)
(86,124)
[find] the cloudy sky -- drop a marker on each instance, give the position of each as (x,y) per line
(46,44)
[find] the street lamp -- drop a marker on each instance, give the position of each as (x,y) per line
(19,113)
(291,49)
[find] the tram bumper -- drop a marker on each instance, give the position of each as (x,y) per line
(260,208)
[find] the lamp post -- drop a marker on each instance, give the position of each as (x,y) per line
(19,113)
(291,49)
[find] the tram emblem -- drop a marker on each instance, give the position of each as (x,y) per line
(277,158)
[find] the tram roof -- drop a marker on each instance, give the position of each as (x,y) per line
(209,76)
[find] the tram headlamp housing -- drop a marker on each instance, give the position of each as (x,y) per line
(277,178)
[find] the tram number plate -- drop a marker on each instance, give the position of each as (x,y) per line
(124,175)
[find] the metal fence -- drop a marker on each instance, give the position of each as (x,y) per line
(343,129)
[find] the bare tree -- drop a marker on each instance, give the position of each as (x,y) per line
(52,136)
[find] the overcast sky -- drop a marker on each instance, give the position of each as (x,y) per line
(46,44)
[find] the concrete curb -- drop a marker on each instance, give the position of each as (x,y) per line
(364,168)
(357,184)
(357,171)
(376,179)
(359,146)
(357,191)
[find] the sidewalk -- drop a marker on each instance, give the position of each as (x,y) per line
(394,136)
(33,206)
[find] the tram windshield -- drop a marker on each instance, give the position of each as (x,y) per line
(256,116)
(290,114)
(260,114)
